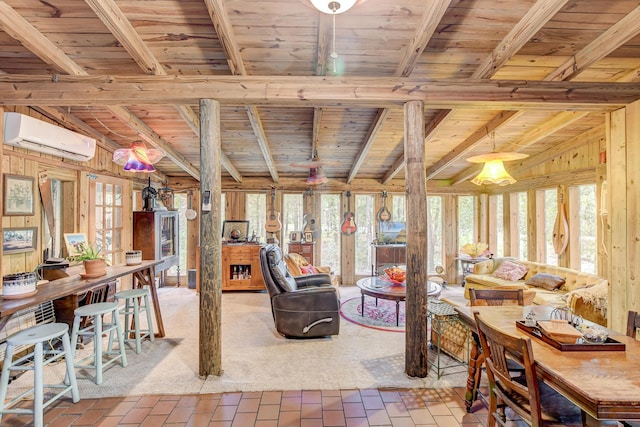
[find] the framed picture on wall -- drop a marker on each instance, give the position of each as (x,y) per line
(15,240)
(74,242)
(18,195)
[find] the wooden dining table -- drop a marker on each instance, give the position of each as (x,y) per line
(143,275)
(605,384)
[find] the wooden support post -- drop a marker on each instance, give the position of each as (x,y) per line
(416,336)
(450,235)
(210,241)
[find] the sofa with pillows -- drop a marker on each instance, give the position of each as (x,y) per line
(299,266)
(586,294)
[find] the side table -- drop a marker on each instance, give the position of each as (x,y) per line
(450,334)
(466,265)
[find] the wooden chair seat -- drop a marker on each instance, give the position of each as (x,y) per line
(535,403)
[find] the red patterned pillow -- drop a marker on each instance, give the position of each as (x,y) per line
(510,270)
(309,269)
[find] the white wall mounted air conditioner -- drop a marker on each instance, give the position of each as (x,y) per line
(33,134)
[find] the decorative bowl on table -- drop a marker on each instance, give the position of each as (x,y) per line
(395,274)
(594,334)
(19,285)
(133,257)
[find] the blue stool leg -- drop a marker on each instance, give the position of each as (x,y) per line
(71,373)
(136,319)
(120,335)
(4,378)
(38,384)
(97,342)
(149,322)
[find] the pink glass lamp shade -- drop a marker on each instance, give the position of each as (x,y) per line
(316,177)
(137,158)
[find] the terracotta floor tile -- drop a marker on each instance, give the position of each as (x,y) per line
(333,418)
(244,419)
(402,422)
(396,409)
(311,423)
(271,398)
(357,422)
(446,421)
(378,417)
(291,404)
(90,417)
(268,412)
(311,396)
(372,402)
(354,410)
(248,405)
(289,419)
(350,396)
(154,421)
(421,416)
(224,413)
(135,415)
(311,410)
(331,402)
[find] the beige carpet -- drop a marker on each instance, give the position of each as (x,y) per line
(254,356)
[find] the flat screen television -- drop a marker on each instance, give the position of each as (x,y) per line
(392,232)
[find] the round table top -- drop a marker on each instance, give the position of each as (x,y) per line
(375,285)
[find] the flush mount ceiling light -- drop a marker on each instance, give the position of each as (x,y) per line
(493,171)
(137,158)
(333,8)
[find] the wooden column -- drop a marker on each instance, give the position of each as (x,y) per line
(482,213)
(210,241)
(416,338)
(623,206)
(535,217)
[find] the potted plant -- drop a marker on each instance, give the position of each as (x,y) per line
(94,263)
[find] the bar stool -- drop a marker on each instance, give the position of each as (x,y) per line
(132,307)
(96,329)
(35,361)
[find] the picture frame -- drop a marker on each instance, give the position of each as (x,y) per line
(73,242)
(21,239)
(240,225)
(19,198)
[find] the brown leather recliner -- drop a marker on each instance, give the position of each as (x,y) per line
(304,306)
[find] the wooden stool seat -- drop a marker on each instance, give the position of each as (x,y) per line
(35,361)
(133,307)
(97,329)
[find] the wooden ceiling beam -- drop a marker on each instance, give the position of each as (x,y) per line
(599,48)
(395,169)
(316,91)
(39,45)
(532,22)
(418,43)
(470,142)
(534,135)
(120,26)
(149,135)
(556,151)
(224,30)
(617,35)
(63,117)
(371,137)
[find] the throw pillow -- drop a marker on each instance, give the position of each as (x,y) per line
(308,269)
(547,281)
(483,267)
(510,270)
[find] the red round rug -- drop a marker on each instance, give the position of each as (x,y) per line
(382,316)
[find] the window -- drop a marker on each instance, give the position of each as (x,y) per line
(496,225)
(330,220)
(399,207)
(292,215)
(584,247)
(435,224)
(365,216)
(466,220)
(522,225)
(550,209)
(180,205)
(256,213)
(106,229)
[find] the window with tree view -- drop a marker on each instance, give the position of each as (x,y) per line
(330,220)
(365,221)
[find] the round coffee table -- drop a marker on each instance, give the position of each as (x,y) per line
(376,287)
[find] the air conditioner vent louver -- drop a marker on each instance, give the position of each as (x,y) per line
(27,132)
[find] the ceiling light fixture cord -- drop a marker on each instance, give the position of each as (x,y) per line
(334,5)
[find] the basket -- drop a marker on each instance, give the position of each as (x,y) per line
(133,257)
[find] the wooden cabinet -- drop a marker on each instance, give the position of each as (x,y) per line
(389,256)
(156,235)
(241,268)
(304,249)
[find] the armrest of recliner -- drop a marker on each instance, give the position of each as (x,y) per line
(313,280)
(310,299)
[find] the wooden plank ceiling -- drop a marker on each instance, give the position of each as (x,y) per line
(438,40)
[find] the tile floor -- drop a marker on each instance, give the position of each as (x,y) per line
(339,408)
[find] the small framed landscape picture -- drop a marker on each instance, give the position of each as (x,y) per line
(18,195)
(15,240)
(74,242)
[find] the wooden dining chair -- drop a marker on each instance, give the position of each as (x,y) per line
(633,327)
(533,401)
(483,297)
